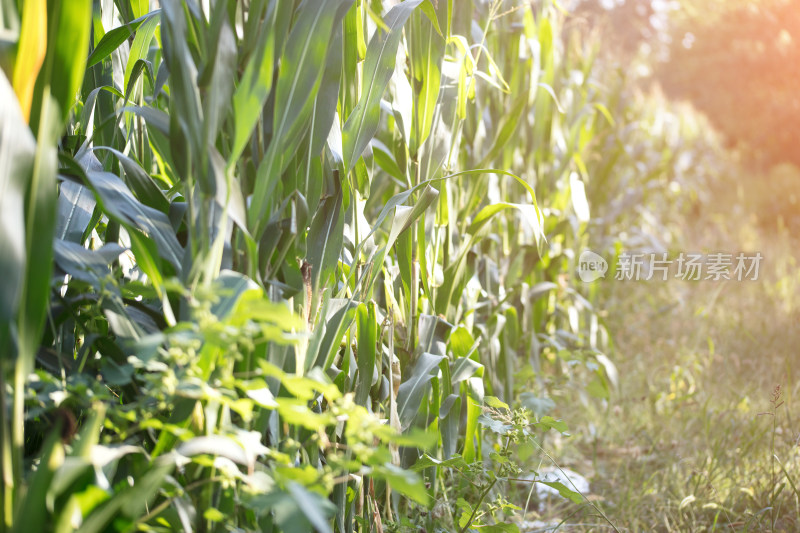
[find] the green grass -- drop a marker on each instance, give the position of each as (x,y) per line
(686,442)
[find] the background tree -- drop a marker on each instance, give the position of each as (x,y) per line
(741,66)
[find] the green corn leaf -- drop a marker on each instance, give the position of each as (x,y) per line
(385,159)
(472,438)
(337,315)
(76,204)
(129,502)
(353,50)
(139,8)
(155,118)
(325,238)
(230,287)
(30,516)
(415,387)
(448,294)
(464,368)
(255,85)
(325,105)
(362,124)
(506,128)
(140,46)
(302,65)
(367,324)
(316,509)
(16,161)
(54,93)
(140,182)
(67,44)
(91,266)
(216,79)
(120,204)
(426,54)
(186,131)
(449,422)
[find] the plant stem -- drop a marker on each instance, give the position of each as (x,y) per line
(484,493)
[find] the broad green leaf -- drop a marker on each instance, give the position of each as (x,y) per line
(379,64)
(219,445)
(367,323)
(120,204)
(140,182)
(426,54)
(548,422)
(155,118)
(317,510)
(497,403)
(325,238)
(303,63)
(433,333)
(354,49)
(336,315)
(139,8)
(255,85)
(252,304)
(385,159)
(406,482)
(17,147)
(472,437)
(140,47)
(186,126)
(426,461)
(325,105)
(68,29)
(401,218)
(299,76)
(115,37)
(562,489)
(449,422)
(91,266)
(497,426)
(30,515)
(131,501)
(454,273)
(416,387)
(230,286)
(216,79)
(506,129)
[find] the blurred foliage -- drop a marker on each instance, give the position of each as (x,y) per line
(739,66)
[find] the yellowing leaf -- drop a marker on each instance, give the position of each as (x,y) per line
(30,52)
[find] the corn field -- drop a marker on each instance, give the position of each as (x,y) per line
(277,265)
